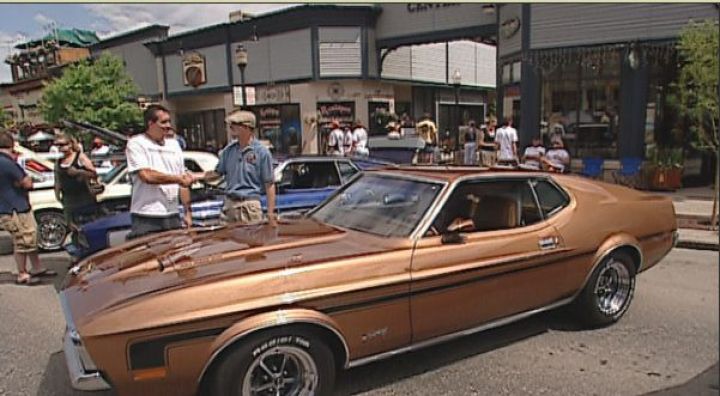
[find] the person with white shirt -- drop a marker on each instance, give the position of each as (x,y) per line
(335,140)
(157,169)
(360,140)
(557,158)
(347,142)
(506,143)
(532,157)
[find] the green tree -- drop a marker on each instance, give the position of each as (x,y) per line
(98,91)
(5,118)
(698,89)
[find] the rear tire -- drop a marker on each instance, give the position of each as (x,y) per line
(608,293)
(285,361)
(51,230)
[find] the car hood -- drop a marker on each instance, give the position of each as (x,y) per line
(182,275)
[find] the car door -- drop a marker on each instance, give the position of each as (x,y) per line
(488,254)
(303,185)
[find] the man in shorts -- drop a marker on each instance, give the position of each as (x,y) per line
(15,214)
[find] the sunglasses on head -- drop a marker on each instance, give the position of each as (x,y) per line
(62,144)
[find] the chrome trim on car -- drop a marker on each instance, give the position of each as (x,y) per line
(675,238)
(448,337)
(281,320)
(81,378)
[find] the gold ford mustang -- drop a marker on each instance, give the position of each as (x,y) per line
(396,260)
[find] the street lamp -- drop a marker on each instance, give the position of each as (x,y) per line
(241,60)
(456,79)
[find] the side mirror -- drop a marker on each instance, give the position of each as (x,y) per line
(452,238)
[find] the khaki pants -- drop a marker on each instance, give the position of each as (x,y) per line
(23,230)
(242,212)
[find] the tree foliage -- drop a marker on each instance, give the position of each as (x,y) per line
(698,81)
(5,119)
(98,91)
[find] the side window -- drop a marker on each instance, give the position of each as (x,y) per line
(346,170)
(484,206)
(192,166)
(550,197)
(310,175)
(529,211)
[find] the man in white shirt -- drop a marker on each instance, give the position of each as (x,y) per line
(506,143)
(347,142)
(533,154)
(335,140)
(360,140)
(158,176)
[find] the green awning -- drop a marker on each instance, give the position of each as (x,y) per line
(69,37)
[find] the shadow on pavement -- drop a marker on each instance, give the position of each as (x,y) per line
(57,263)
(56,382)
(706,383)
(376,375)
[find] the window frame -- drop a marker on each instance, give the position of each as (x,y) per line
(553,183)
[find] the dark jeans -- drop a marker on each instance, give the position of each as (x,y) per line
(144,225)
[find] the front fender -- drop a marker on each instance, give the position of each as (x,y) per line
(268,320)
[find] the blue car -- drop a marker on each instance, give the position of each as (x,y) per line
(303,182)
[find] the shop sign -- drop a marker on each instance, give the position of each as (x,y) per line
(193,65)
(343,112)
(510,27)
(274,94)
(422,7)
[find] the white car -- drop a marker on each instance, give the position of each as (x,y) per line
(48,212)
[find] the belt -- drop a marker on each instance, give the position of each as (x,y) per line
(242,199)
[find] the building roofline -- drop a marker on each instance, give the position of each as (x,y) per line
(285,20)
(151,32)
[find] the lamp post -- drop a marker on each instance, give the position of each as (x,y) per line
(241,60)
(456,79)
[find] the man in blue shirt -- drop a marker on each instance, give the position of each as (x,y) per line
(15,214)
(247,167)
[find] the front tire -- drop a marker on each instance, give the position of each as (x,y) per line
(51,230)
(285,361)
(608,293)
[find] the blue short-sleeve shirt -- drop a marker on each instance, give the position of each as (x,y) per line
(246,169)
(14,198)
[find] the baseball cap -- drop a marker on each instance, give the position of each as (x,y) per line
(241,117)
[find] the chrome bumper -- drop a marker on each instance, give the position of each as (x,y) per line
(81,378)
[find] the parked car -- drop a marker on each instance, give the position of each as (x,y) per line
(303,182)
(48,212)
(393,261)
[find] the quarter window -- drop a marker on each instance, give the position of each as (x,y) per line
(310,175)
(346,170)
(550,197)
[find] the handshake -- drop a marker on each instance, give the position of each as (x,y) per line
(187,179)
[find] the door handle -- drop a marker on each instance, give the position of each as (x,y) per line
(548,243)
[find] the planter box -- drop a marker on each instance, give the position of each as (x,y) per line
(664,179)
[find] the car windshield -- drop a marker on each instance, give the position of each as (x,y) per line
(108,177)
(383,205)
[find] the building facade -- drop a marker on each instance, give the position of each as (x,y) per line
(309,65)
(597,74)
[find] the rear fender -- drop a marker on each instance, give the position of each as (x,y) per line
(611,244)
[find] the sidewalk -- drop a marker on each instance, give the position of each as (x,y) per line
(693,207)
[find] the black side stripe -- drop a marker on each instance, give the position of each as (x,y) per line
(151,353)
(413,293)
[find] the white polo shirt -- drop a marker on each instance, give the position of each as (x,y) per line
(506,137)
(156,200)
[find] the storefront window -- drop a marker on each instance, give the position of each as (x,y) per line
(378,117)
(580,103)
(343,112)
(203,130)
(280,125)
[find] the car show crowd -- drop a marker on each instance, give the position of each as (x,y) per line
(160,197)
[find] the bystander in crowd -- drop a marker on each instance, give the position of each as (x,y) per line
(506,143)
(16,215)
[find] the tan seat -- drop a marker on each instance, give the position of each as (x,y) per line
(496,213)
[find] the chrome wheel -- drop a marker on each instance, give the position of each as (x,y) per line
(51,230)
(613,287)
(281,371)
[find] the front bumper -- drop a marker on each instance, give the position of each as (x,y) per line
(81,378)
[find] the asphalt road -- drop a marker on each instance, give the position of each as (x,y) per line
(668,339)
